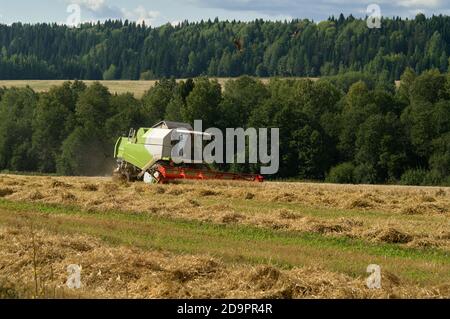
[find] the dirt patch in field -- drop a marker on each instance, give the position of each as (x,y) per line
(232,218)
(89,187)
(359,203)
(389,235)
(424,243)
(288,214)
(207,192)
(394,236)
(35,195)
(60,184)
(324,228)
(6,192)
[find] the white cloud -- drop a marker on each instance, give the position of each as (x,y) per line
(100,9)
(414,12)
(94,5)
(140,14)
(420,3)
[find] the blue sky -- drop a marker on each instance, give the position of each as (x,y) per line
(157,12)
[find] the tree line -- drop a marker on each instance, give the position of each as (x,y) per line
(346,129)
(125,50)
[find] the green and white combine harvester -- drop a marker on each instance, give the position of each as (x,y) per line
(146,154)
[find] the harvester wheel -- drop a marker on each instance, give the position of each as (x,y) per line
(117,176)
(150,178)
(153,176)
(125,172)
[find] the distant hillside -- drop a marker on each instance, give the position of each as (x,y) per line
(122,50)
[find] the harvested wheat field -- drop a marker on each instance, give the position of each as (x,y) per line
(221,239)
(137,88)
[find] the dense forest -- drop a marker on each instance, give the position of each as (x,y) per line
(125,50)
(348,128)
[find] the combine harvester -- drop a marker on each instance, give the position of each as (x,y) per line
(147,155)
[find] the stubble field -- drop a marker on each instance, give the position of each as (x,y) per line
(137,88)
(221,239)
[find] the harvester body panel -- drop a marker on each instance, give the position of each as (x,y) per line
(133,150)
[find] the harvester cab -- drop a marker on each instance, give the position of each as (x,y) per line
(146,154)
